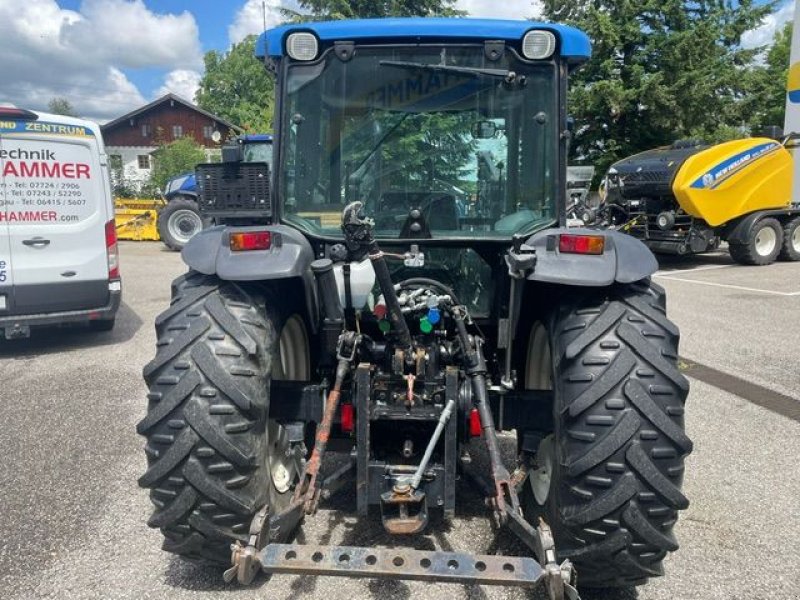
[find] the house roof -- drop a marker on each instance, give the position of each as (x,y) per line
(161,100)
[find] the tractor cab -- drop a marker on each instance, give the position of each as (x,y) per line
(441,128)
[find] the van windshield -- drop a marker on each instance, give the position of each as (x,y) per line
(469,142)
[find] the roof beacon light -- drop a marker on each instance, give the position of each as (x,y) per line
(538,44)
(302,46)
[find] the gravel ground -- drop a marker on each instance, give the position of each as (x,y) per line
(74,519)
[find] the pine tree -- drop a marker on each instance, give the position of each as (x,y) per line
(661,70)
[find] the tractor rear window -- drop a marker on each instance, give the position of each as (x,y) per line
(469,142)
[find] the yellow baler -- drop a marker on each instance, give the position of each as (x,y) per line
(685,198)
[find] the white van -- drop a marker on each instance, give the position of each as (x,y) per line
(58,243)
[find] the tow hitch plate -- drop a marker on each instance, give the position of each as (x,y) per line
(408,564)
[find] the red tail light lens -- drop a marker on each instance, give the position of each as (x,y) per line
(475,427)
(250,240)
(581,244)
(347,418)
(112,250)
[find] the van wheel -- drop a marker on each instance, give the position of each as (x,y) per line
(608,479)
(762,246)
(178,222)
(791,240)
(214,457)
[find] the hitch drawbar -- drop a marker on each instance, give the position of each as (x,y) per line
(415,565)
(408,564)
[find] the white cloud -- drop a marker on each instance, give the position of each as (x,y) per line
(48,51)
(510,9)
(252,16)
(182,82)
(763,35)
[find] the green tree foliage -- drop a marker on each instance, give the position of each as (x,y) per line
(173,159)
(362,9)
(661,70)
(61,106)
(237,87)
(766,103)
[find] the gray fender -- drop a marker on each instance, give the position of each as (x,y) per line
(624,260)
(289,256)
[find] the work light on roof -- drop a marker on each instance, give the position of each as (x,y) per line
(302,46)
(538,45)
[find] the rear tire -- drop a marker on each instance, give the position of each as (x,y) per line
(762,246)
(210,445)
(608,479)
(791,240)
(178,222)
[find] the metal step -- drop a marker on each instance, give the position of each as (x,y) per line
(400,563)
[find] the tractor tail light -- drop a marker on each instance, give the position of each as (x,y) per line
(581,244)
(347,418)
(475,427)
(245,241)
(112,250)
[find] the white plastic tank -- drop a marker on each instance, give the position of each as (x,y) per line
(362,280)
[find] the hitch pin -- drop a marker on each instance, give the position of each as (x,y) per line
(410,390)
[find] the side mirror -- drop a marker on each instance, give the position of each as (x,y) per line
(773,132)
(232,153)
(484,130)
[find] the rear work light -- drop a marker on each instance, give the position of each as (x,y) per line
(18,114)
(581,244)
(250,240)
(538,45)
(112,250)
(302,45)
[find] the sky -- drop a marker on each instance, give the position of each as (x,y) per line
(108,57)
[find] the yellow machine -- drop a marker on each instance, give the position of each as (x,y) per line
(736,178)
(136,218)
(686,198)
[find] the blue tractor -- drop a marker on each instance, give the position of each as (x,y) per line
(346,303)
(180,219)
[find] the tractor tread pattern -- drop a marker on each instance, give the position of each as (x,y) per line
(621,465)
(207,378)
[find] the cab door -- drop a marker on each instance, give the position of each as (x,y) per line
(56,221)
(6,278)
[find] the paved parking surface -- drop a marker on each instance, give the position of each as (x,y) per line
(73,518)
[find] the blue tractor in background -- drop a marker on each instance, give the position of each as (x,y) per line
(180,219)
(346,304)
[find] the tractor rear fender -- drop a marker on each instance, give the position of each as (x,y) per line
(181,194)
(288,259)
(624,259)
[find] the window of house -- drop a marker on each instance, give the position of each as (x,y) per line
(145,130)
(115,161)
(177,131)
(144,161)
(208,131)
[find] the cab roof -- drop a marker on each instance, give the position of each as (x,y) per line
(573,44)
